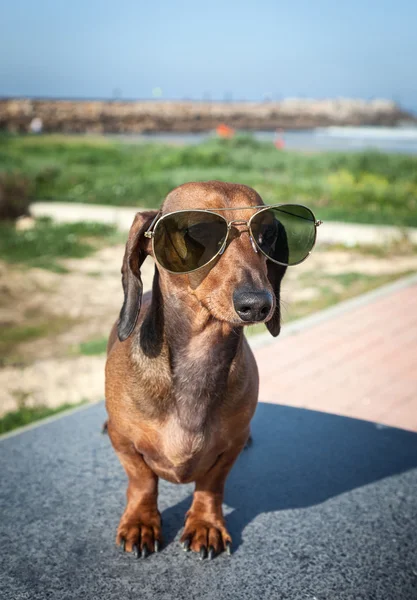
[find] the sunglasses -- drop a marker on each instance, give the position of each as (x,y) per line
(187,240)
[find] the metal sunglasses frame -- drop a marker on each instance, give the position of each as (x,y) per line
(150,233)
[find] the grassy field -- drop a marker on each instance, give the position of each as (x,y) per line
(367,187)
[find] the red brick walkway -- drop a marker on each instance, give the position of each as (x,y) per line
(362,363)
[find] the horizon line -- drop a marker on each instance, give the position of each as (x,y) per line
(186,99)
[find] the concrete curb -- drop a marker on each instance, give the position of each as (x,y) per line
(332,312)
(70,212)
(332,232)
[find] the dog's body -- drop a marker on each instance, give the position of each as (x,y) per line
(182,386)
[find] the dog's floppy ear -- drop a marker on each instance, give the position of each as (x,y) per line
(137,248)
(275,275)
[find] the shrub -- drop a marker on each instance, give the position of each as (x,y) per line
(15,191)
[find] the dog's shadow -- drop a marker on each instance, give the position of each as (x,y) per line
(300,458)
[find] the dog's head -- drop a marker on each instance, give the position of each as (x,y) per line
(239,287)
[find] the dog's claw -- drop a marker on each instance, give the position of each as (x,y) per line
(249,443)
(135,551)
(228,548)
(157,546)
(145,551)
(203,552)
(123,544)
(211,553)
(186,545)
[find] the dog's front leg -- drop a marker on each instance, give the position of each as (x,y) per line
(205,528)
(139,529)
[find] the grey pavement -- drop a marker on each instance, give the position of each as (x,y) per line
(320,507)
(122,216)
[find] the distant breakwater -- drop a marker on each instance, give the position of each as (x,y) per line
(84,116)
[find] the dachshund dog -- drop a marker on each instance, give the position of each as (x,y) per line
(181,380)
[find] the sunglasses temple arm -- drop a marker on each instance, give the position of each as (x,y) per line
(149,232)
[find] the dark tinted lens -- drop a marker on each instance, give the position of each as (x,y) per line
(285,234)
(185,241)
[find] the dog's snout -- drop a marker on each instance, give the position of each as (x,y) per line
(252,306)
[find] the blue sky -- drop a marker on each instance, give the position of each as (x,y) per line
(192,49)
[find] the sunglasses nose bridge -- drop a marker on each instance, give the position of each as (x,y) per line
(238,222)
(238,232)
(239,226)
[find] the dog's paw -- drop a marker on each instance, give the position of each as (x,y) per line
(141,538)
(206,537)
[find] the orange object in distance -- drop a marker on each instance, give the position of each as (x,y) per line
(225,131)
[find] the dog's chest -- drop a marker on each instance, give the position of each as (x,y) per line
(177,454)
(181,445)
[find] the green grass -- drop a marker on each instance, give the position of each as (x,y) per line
(22,333)
(367,187)
(25,415)
(93,347)
(47,242)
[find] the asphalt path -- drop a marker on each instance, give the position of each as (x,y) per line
(320,507)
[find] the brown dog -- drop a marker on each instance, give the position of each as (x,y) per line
(182,386)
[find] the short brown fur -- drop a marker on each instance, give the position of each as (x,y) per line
(182,387)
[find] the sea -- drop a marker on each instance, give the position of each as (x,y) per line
(401,140)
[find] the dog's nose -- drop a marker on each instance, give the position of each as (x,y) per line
(252,306)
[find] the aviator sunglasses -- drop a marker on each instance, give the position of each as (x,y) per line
(186,240)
